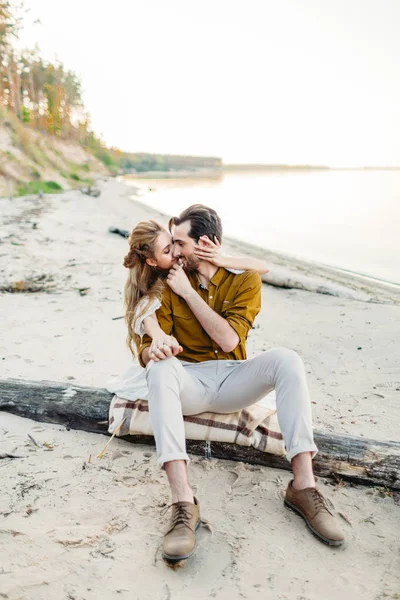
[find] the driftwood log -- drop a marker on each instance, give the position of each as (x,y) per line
(354,459)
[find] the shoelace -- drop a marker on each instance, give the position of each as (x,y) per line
(182,515)
(319,500)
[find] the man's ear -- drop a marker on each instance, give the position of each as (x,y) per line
(203,241)
(151,262)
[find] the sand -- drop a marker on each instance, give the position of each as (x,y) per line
(77,527)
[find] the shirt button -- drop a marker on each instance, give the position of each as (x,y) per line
(216,351)
(211,297)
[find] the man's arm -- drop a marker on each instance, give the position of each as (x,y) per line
(229,329)
(245,306)
(216,326)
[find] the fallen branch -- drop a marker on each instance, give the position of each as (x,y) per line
(31,285)
(123,232)
(354,459)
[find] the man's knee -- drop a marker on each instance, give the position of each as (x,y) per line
(161,369)
(284,359)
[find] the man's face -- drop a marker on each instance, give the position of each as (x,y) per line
(184,246)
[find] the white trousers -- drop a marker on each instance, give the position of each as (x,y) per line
(178,388)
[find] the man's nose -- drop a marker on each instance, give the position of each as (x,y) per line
(176,252)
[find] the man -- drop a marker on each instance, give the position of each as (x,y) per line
(210,311)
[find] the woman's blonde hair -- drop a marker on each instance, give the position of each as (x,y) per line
(143,280)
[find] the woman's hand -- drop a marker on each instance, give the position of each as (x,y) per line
(210,251)
(163,346)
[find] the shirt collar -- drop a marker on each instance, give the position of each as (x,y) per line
(215,280)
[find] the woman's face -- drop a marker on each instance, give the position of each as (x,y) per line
(163,251)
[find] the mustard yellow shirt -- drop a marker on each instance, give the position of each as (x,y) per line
(236,297)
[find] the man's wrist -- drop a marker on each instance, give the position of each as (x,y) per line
(189,295)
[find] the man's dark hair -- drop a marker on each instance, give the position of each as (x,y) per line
(203,221)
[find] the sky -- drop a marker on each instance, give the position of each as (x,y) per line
(251,81)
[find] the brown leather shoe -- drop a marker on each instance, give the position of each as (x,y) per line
(180,539)
(311,505)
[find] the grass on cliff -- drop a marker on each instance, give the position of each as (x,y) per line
(75,174)
(34,187)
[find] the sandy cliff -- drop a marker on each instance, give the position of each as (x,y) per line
(26,155)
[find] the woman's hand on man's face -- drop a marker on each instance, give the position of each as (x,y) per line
(164,346)
(209,251)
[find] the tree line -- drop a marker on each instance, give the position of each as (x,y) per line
(46,96)
(40,93)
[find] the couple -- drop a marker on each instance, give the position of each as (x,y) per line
(188,318)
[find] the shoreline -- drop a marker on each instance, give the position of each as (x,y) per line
(294,273)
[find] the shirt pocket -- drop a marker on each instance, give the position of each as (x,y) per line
(182,311)
(185,325)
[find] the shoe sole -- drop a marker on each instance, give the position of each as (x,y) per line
(172,560)
(311,528)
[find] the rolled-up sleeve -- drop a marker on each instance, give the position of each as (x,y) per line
(245,305)
(164,317)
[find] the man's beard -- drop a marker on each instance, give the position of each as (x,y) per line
(191,263)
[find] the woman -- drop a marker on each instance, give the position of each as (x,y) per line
(149,259)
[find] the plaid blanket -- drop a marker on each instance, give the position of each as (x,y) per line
(255,426)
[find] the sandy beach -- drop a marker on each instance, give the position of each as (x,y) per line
(76,527)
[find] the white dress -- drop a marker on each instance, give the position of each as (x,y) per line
(132,384)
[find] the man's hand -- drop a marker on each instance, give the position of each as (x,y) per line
(179,282)
(164,346)
(210,251)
